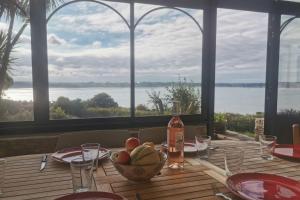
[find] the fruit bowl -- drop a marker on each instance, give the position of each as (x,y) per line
(140,172)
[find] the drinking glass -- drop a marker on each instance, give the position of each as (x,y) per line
(90,151)
(202,144)
(82,174)
(233,158)
(2,173)
(267,144)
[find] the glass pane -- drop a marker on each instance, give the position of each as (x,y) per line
(240,69)
(16,103)
(89,69)
(289,68)
(168,61)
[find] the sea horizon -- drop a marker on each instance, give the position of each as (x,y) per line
(24,84)
(243,100)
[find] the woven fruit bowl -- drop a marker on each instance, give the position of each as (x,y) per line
(140,172)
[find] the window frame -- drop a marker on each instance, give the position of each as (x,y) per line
(42,123)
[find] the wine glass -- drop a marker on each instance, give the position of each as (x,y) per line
(202,143)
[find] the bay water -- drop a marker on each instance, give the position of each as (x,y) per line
(241,100)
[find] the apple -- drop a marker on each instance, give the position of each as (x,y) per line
(122,157)
(132,143)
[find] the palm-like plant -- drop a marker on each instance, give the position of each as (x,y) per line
(9,10)
(8,81)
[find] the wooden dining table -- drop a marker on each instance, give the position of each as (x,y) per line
(198,180)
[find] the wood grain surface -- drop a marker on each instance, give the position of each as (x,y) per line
(23,180)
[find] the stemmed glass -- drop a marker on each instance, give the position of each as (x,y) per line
(202,145)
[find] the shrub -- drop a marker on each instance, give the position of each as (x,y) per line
(142,107)
(185,93)
(16,110)
(70,107)
(107,112)
(220,117)
(63,103)
(102,100)
(238,122)
(58,113)
(289,112)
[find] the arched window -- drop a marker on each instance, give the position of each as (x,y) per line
(168,44)
(289,66)
(89,61)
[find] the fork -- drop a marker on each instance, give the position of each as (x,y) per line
(218,193)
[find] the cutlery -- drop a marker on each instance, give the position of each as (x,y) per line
(213,147)
(44,162)
(218,193)
(138,196)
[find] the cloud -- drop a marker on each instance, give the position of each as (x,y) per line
(55,40)
(88,42)
(97,44)
(163,47)
(241,46)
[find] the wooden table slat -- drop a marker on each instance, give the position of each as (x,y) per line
(24,180)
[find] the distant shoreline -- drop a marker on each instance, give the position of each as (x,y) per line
(17,85)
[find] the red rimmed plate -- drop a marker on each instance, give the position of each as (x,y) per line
(189,147)
(92,196)
(260,186)
(289,151)
(68,154)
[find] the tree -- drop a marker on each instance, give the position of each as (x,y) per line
(72,107)
(157,101)
(102,100)
(9,10)
(8,81)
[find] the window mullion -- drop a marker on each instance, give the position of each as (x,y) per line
(132,61)
(39,60)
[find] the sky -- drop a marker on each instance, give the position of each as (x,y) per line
(88,42)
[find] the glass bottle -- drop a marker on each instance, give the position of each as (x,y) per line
(175,139)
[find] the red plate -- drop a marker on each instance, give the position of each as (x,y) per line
(92,196)
(68,154)
(259,186)
(287,151)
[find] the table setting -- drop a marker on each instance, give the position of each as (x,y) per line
(248,170)
(257,185)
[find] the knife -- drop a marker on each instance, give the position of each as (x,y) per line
(44,162)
